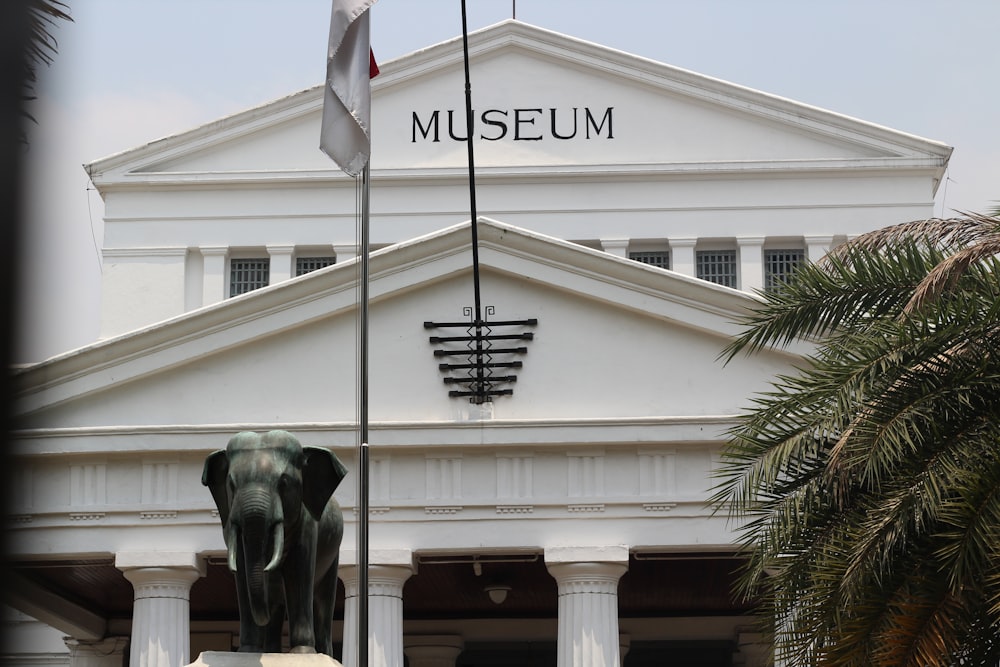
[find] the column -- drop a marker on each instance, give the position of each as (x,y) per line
(388,570)
(587,579)
(281,268)
(751,262)
(616,247)
(106,652)
(432,650)
(161,626)
(817,246)
(213,284)
(682,256)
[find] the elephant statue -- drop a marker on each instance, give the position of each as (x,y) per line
(282,529)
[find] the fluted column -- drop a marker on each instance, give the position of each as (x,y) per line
(387,572)
(106,652)
(161,626)
(588,604)
(349,575)
(432,650)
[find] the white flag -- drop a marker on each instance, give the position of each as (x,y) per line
(347,98)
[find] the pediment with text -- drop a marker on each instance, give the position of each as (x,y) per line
(541,100)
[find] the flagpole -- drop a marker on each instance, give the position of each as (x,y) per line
(363,458)
(346,138)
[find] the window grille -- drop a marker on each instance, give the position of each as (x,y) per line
(660,259)
(246,275)
(304,265)
(779,265)
(717,266)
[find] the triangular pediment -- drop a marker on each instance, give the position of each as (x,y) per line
(543,101)
(614,339)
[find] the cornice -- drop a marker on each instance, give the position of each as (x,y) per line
(430,436)
(531,173)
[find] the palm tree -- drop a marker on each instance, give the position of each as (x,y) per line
(41,45)
(867,483)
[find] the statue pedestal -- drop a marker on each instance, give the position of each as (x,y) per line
(229,659)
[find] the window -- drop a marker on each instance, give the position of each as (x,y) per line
(246,275)
(659,259)
(717,266)
(779,265)
(304,265)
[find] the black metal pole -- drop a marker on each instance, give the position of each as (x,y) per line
(474,224)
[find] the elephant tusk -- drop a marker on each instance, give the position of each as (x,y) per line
(279,546)
(231,538)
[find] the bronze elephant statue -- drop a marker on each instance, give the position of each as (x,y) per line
(282,529)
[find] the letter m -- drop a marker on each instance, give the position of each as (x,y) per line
(591,123)
(425,131)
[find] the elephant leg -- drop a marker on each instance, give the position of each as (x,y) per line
(271,634)
(324,598)
(299,572)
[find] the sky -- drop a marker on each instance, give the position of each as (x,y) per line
(132,71)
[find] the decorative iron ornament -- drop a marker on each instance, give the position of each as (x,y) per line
(482,353)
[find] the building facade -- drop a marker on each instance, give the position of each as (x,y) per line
(628,211)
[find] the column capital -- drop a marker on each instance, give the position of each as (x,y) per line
(432,650)
(280,248)
(213,250)
(576,578)
(750,240)
(161,574)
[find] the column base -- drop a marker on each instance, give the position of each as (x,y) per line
(230,659)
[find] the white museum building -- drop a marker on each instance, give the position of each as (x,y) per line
(627,212)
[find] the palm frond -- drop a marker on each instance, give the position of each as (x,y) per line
(866,484)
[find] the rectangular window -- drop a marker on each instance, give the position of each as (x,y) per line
(717,266)
(660,259)
(246,275)
(779,265)
(304,265)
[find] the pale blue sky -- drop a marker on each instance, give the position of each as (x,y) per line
(131,71)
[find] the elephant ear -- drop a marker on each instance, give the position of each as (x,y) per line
(322,473)
(214,477)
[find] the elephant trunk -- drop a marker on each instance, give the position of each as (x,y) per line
(263,543)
